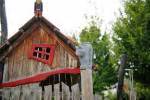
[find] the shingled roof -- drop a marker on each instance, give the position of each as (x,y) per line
(6,47)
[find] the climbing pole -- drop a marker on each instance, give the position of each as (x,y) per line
(3,23)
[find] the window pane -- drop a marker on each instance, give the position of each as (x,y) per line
(35,54)
(47,57)
(48,50)
(38,48)
(39,55)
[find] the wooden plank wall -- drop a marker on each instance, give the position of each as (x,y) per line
(25,92)
(34,92)
(18,58)
(17,65)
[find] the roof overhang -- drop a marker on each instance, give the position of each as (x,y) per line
(24,31)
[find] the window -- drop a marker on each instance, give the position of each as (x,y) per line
(43,53)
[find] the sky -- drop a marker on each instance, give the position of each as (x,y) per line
(67,15)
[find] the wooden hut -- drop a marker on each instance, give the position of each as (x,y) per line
(39,63)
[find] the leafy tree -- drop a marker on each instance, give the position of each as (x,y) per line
(132,35)
(111,96)
(105,75)
(143,93)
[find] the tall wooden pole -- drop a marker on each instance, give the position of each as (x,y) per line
(85,53)
(3,34)
(86,84)
(3,22)
(121,77)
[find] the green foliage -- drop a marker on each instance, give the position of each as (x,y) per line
(53,98)
(105,75)
(143,93)
(92,33)
(132,37)
(111,96)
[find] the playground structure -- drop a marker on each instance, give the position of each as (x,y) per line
(41,63)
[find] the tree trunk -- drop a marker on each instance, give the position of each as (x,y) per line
(121,77)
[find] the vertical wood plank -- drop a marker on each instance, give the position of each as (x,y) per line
(48,92)
(16,93)
(86,84)
(65,92)
(57,92)
(10,68)
(5,73)
(36,92)
(6,94)
(25,92)
(75,92)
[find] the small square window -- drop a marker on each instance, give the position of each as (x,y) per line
(43,53)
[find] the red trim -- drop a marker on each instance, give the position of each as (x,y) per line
(51,54)
(40,77)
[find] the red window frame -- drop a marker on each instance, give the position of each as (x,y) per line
(48,56)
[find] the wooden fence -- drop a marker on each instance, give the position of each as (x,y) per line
(35,92)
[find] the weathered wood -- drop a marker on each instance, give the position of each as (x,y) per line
(48,92)
(3,22)
(6,94)
(57,92)
(60,42)
(25,93)
(21,38)
(85,54)
(65,92)
(5,73)
(97,97)
(87,84)
(18,66)
(76,92)
(15,93)
(36,92)
(121,77)
(18,58)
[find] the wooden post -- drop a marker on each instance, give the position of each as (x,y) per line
(85,53)
(86,84)
(3,22)
(121,77)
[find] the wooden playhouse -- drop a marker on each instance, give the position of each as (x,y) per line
(39,63)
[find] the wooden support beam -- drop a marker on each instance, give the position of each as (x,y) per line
(86,84)
(85,54)
(3,22)
(121,74)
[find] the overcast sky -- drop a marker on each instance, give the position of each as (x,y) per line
(67,15)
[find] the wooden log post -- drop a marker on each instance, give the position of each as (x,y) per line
(85,53)
(121,74)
